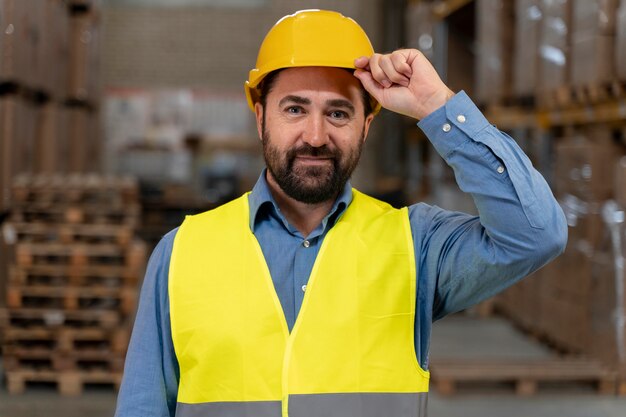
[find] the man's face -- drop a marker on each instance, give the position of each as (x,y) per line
(313,129)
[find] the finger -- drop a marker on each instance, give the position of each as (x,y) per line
(401,65)
(362,62)
(377,72)
(392,74)
(369,83)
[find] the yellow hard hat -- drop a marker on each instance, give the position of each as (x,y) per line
(309,38)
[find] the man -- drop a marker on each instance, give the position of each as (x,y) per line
(305,297)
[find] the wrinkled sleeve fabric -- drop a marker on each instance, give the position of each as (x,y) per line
(465,259)
(150,383)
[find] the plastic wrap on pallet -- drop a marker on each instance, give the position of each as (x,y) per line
(420,26)
(596,17)
(13,45)
(83,56)
(593,41)
(620,182)
(494,22)
(620,42)
(526,61)
(553,45)
(585,161)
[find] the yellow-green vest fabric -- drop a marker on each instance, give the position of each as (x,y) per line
(351,351)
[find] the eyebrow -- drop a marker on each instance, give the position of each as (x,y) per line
(341,103)
(294,99)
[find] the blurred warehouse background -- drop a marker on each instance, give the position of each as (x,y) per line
(119,117)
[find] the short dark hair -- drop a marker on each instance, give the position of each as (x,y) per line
(268,82)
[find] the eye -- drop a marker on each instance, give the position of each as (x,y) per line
(338,115)
(294,110)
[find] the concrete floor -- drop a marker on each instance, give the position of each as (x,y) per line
(453,337)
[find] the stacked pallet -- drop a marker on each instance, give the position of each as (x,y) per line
(72,280)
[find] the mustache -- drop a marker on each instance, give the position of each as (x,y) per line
(308,150)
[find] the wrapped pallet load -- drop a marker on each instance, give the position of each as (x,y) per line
(593,41)
(494,23)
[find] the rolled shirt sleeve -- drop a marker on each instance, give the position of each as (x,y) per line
(520,227)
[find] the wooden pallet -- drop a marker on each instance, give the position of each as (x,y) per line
(68,339)
(526,374)
(75,188)
(68,383)
(60,213)
(68,233)
(582,95)
(56,318)
(561,97)
(123,299)
(599,92)
(71,275)
(16,358)
(80,255)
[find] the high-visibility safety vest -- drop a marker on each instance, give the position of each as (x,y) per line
(351,352)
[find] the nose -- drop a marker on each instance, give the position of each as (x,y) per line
(316,133)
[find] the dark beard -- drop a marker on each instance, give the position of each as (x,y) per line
(310,185)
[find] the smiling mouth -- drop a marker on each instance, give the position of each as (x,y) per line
(307,159)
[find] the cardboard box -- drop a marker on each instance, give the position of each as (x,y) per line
(13,45)
(620,182)
(554,44)
(54,48)
(620,42)
(51,139)
(83,140)
(494,38)
(8,126)
(17,133)
(525,54)
(592,59)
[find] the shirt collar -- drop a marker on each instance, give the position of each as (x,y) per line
(261,197)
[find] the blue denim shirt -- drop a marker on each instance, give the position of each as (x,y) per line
(460,259)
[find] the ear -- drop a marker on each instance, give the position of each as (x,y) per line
(258,112)
(366,126)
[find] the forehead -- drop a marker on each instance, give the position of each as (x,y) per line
(328,81)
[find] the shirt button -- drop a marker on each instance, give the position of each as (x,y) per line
(446,127)
(460,118)
(304,288)
(306,244)
(500,169)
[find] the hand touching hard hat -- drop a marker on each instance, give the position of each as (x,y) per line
(404,82)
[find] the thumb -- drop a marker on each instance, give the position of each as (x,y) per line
(370,85)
